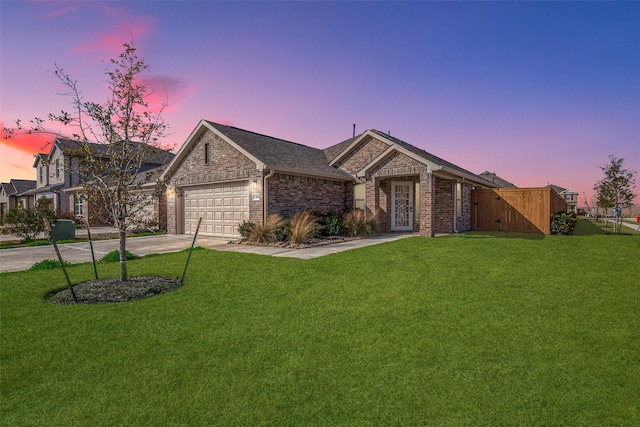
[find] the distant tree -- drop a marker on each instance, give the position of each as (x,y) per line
(114,140)
(615,190)
(28,223)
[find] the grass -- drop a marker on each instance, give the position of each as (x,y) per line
(474,329)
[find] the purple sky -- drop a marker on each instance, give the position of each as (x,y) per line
(535,92)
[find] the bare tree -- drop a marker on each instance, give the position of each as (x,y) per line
(114,141)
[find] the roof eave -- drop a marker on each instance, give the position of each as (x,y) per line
(344,178)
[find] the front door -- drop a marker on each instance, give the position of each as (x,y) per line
(402,206)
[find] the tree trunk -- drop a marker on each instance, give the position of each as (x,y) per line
(123,256)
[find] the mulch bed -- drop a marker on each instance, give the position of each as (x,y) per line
(317,241)
(113,290)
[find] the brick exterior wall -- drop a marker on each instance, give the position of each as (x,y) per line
(396,167)
(463,222)
(444,207)
(292,193)
(427,203)
(225,164)
(363,154)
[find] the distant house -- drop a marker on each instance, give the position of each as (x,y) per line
(58,177)
(226,175)
(492,177)
(569,196)
(12,194)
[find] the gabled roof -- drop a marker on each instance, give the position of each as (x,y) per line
(153,155)
(561,190)
(502,183)
(435,163)
(39,158)
(265,151)
(7,188)
(40,190)
(279,154)
(22,185)
(335,150)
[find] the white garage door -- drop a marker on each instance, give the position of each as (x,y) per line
(222,208)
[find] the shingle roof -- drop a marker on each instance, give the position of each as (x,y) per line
(280,154)
(502,183)
(428,156)
(153,155)
(22,185)
(8,188)
(556,188)
(333,151)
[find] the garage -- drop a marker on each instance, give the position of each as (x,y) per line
(221,206)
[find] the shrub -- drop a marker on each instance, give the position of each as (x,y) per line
(284,231)
(245,229)
(303,226)
(48,264)
(266,232)
(356,224)
(114,256)
(332,225)
(563,223)
(28,223)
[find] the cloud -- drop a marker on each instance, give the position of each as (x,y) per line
(164,90)
(120,23)
(29,143)
(123,32)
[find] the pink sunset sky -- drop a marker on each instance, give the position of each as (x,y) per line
(536,92)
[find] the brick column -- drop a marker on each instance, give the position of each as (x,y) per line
(427,203)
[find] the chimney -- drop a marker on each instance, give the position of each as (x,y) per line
(354,129)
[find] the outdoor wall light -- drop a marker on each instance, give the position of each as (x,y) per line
(170,192)
(254,185)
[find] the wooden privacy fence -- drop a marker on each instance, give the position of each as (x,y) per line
(523,210)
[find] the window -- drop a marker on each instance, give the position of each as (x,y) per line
(358,196)
(57,168)
(206,154)
(567,197)
(458,199)
(77,207)
(41,174)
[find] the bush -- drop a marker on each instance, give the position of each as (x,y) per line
(563,223)
(303,226)
(356,224)
(245,229)
(28,223)
(266,232)
(48,264)
(332,225)
(284,231)
(114,256)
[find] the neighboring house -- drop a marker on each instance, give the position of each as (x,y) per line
(492,177)
(569,196)
(12,194)
(227,175)
(58,178)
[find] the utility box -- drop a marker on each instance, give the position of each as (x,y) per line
(63,229)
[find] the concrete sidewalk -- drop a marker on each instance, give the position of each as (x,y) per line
(23,258)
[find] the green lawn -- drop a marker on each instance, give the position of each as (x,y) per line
(476,329)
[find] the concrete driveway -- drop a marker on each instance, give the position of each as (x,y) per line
(23,258)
